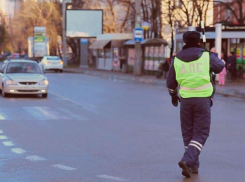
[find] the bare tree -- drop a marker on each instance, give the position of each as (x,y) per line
(185,12)
(4,38)
(33,14)
(191,12)
(169,15)
(127,19)
(201,8)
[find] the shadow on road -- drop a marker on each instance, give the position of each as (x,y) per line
(24,96)
(194,178)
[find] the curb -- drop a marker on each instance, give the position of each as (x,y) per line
(234,93)
(125,78)
(231,93)
(118,77)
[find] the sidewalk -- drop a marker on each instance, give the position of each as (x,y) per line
(236,89)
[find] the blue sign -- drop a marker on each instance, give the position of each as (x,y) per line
(84,41)
(138,34)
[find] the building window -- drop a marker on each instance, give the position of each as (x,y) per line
(101,53)
(108,53)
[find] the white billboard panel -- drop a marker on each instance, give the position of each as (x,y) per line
(40,49)
(84,23)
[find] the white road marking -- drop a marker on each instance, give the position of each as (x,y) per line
(88,107)
(111,177)
(45,113)
(71,114)
(35,158)
(8,144)
(35,112)
(64,167)
(2,117)
(1,131)
(18,150)
(3,137)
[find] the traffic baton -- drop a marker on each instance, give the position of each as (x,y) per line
(203,34)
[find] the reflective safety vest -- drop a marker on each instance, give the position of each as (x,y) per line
(194,77)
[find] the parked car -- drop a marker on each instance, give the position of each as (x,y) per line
(15,55)
(51,63)
(21,76)
(4,55)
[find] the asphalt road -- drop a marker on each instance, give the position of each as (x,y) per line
(95,130)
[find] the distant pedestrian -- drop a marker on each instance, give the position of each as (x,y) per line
(189,74)
(222,74)
(231,65)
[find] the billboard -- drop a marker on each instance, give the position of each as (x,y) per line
(39,34)
(38,49)
(84,23)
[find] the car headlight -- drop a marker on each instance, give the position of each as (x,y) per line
(44,82)
(11,82)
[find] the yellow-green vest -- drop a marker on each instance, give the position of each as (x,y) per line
(194,77)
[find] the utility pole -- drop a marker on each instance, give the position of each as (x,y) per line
(138,51)
(64,32)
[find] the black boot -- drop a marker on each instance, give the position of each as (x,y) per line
(185,169)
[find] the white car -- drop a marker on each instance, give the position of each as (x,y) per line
(20,76)
(51,63)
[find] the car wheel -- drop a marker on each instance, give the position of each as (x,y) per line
(61,71)
(45,95)
(4,94)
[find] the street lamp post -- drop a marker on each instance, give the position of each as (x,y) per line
(138,51)
(64,58)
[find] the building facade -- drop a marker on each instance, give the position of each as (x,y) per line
(229,12)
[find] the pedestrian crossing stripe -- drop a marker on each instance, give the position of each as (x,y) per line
(41,113)
(1,117)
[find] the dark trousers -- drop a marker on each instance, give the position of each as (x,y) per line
(195,115)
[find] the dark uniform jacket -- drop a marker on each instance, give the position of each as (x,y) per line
(189,54)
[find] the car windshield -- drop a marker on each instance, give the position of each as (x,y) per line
(53,58)
(23,67)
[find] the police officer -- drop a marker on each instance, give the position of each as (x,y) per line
(191,71)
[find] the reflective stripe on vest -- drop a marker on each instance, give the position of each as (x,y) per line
(198,88)
(194,77)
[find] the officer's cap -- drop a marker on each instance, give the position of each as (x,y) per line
(191,37)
